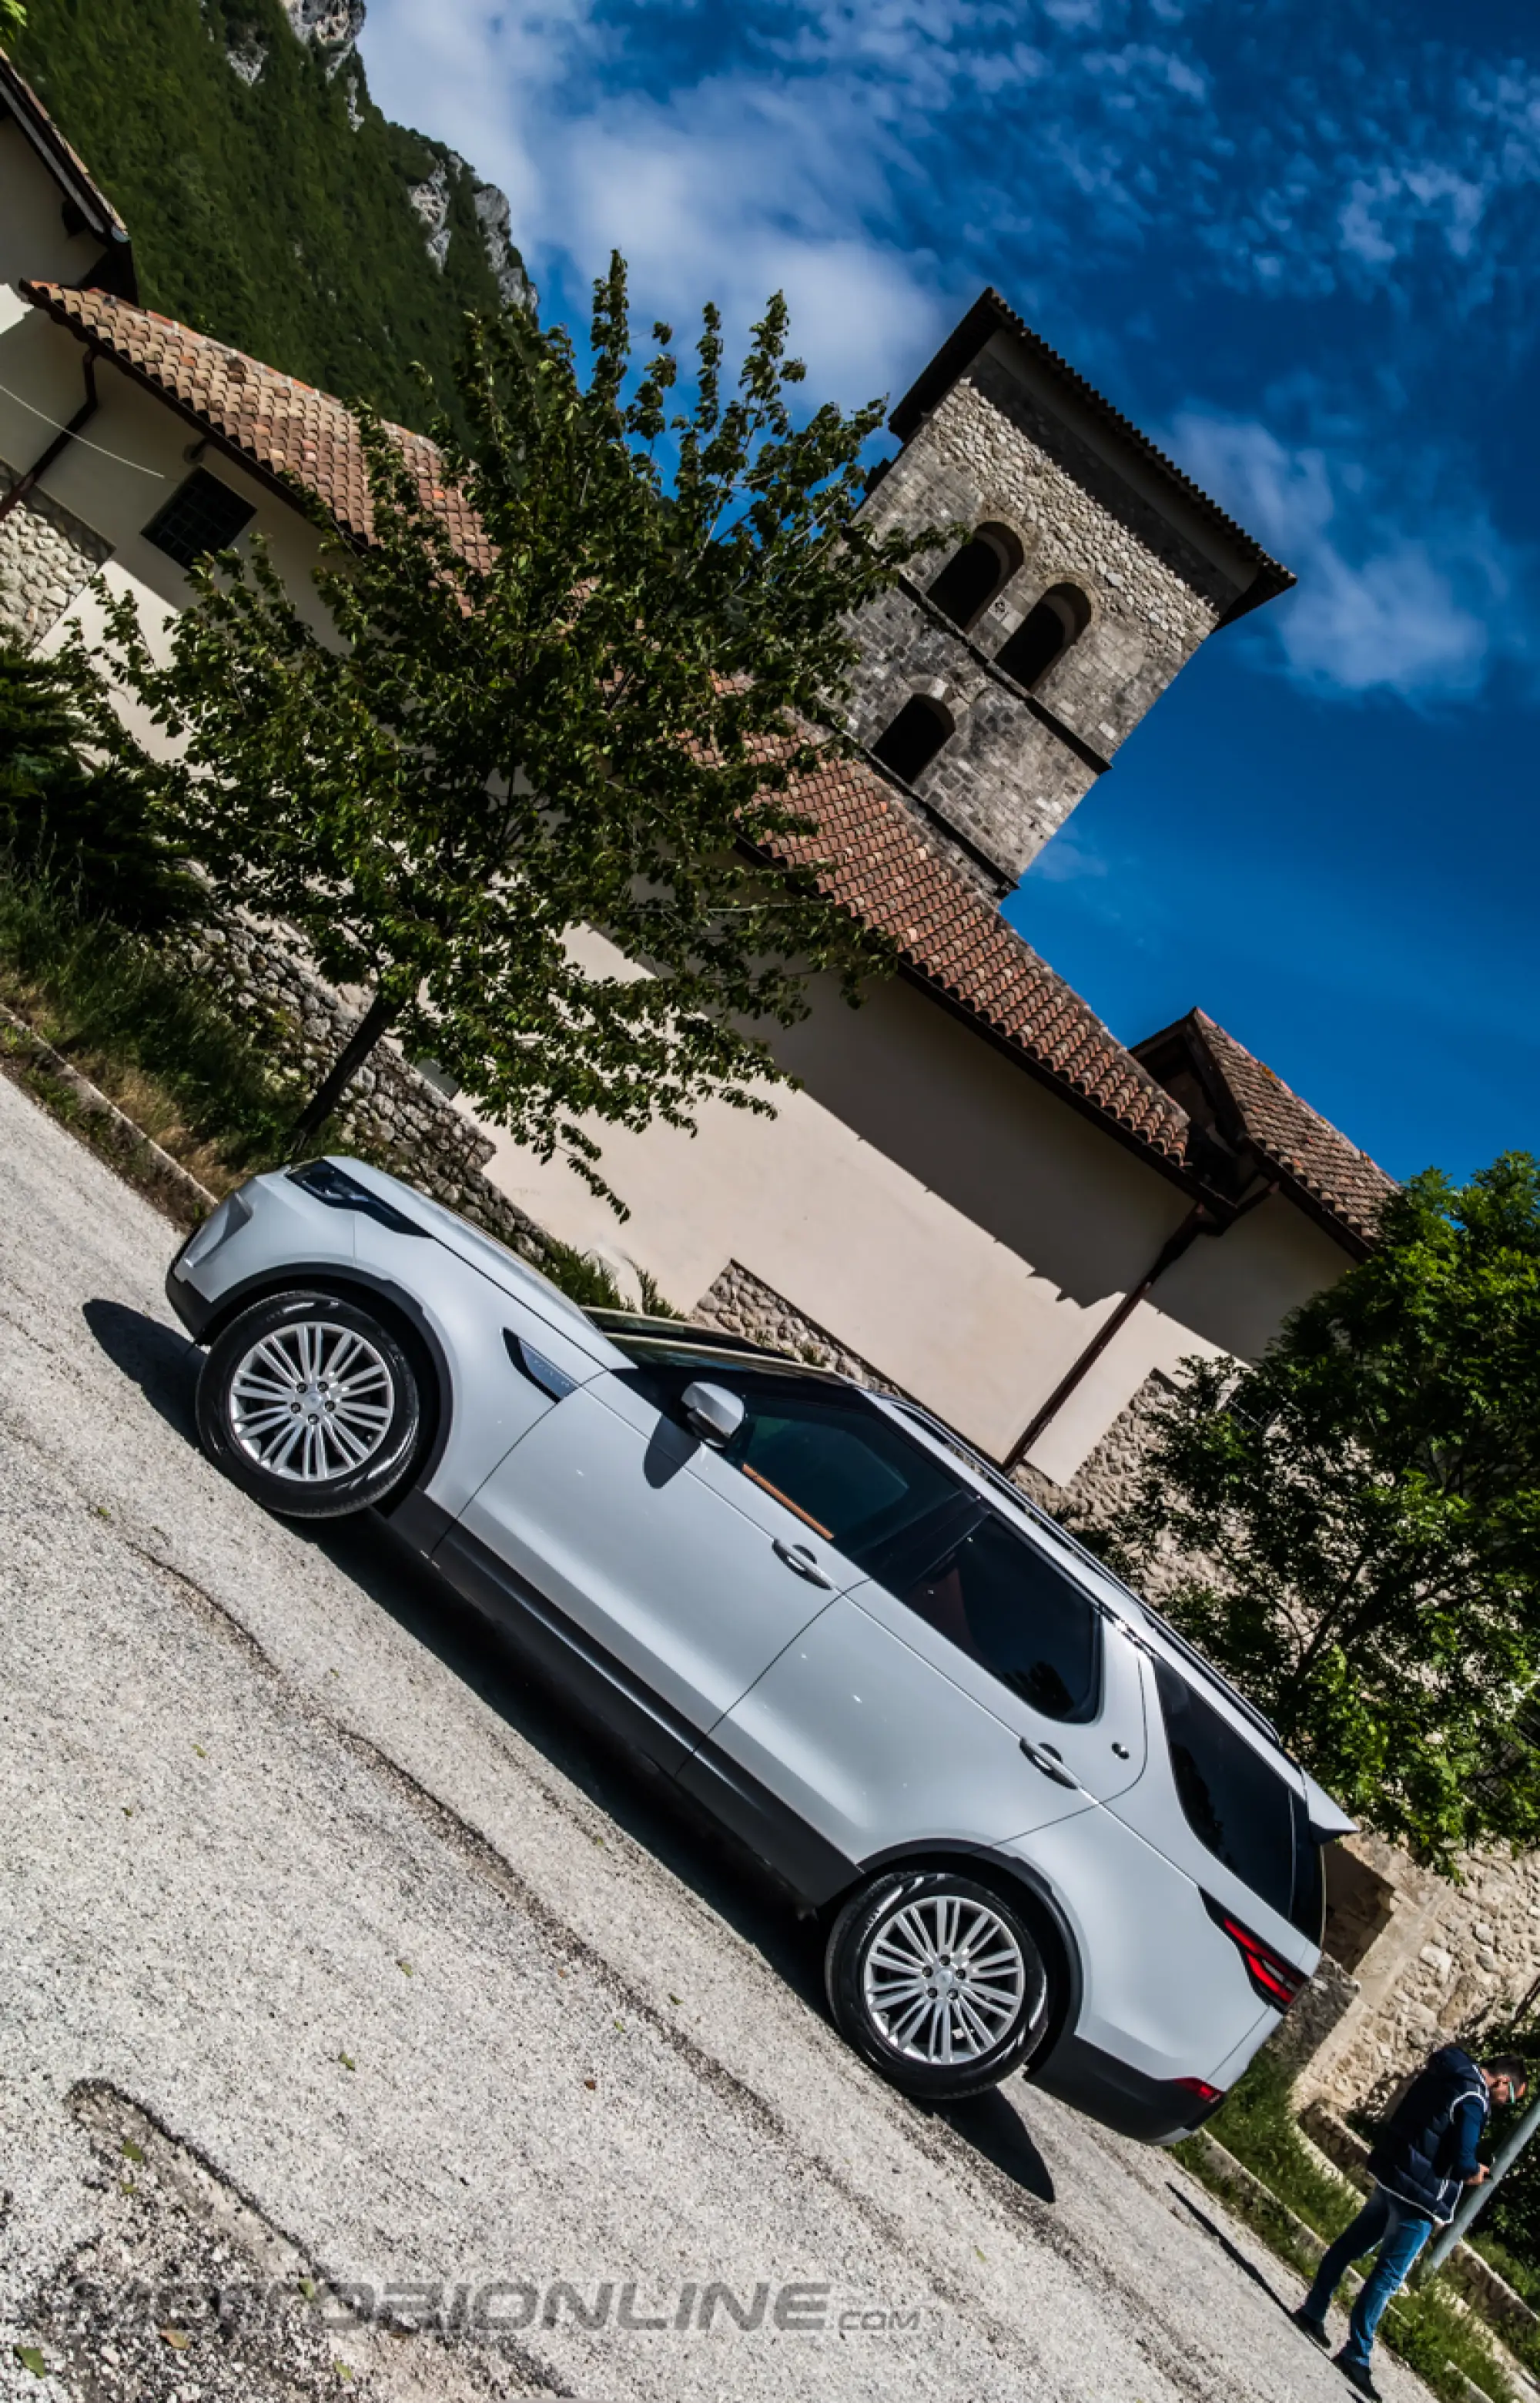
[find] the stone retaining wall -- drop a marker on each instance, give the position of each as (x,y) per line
(741,1303)
(392,1111)
(47,557)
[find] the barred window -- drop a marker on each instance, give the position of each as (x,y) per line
(201,516)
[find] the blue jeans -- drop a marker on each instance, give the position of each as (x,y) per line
(1396,2234)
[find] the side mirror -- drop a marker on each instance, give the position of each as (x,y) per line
(714,1414)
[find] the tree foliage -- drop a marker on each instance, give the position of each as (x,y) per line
(592,723)
(71,810)
(1358,1518)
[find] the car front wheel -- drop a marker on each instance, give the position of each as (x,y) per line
(937,1982)
(311,1404)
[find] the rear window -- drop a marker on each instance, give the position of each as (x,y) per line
(1009,1607)
(1239,1808)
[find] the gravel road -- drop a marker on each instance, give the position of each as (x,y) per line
(343,1975)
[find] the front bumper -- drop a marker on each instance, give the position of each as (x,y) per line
(189,1305)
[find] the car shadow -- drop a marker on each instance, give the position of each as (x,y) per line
(993,2125)
(639,1798)
(160,1360)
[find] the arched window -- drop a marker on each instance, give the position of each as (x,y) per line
(973,574)
(1045,634)
(910,743)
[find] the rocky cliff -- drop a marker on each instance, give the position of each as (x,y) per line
(331,29)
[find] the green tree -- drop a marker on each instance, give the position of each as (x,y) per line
(69,809)
(569,693)
(1358,1518)
(13,18)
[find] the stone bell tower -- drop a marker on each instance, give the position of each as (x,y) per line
(999,680)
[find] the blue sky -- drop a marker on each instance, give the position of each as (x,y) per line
(1298,245)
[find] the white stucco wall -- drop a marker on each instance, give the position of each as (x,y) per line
(944,1216)
(33,240)
(1227,1294)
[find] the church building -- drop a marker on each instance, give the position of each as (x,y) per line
(976,1194)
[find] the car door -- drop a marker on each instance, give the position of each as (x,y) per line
(969,1692)
(693,1565)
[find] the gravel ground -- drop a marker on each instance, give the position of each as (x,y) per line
(362,2022)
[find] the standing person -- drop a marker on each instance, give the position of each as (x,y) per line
(1424,2155)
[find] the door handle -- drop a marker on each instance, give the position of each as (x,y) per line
(798,1557)
(1043,1757)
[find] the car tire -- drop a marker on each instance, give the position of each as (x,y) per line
(920,1962)
(311,1405)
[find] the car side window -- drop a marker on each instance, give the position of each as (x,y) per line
(853,1477)
(1011,1608)
(1236,1803)
(828,1456)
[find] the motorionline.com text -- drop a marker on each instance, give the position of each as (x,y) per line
(491,2307)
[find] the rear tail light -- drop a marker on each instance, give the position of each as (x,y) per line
(1206,2099)
(1274,1979)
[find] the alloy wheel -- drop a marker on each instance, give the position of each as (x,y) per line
(310,1401)
(944,1980)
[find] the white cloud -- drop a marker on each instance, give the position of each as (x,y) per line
(729,187)
(1065,861)
(1417,602)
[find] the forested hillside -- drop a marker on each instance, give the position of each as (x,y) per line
(268,199)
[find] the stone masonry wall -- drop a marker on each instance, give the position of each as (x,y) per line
(990,452)
(47,556)
(1452,1961)
(741,1303)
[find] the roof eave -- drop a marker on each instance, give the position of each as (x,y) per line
(1349,1232)
(69,173)
(39,296)
(992,314)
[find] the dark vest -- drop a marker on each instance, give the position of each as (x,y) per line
(1415,2149)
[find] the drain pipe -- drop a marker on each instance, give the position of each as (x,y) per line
(59,444)
(1199,1220)
(1196,1222)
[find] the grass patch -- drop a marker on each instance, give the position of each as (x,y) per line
(154,1042)
(1521,2275)
(1425,2327)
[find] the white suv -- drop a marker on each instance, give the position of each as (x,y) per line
(1043,1832)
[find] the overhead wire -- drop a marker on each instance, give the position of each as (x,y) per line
(102,452)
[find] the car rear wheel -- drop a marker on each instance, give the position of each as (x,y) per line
(311,1404)
(937,1981)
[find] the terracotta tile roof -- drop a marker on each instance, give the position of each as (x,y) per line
(66,164)
(882,868)
(991,311)
(286,430)
(880,864)
(1294,1139)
